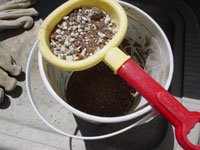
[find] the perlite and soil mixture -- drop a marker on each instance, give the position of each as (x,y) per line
(82,33)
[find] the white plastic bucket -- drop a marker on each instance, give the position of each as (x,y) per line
(142,29)
(159,64)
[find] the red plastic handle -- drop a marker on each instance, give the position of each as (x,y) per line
(162,100)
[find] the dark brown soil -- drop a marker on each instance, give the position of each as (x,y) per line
(99,92)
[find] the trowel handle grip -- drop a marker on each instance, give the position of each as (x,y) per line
(162,100)
(153,92)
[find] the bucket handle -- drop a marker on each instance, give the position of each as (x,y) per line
(144,120)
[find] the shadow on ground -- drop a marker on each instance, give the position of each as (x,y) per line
(44,7)
(6,103)
(150,136)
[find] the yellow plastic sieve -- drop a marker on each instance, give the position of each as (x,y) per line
(110,54)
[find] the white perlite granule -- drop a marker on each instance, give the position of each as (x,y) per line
(82,33)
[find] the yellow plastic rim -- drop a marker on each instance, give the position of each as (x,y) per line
(111,7)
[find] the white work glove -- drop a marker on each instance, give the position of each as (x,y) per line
(15,14)
(7,64)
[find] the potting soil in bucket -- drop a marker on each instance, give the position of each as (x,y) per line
(99,92)
(96,93)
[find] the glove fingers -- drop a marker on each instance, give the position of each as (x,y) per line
(8,64)
(14,69)
(7,82)
(1,95)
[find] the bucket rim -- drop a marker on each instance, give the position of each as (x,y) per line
(98,119)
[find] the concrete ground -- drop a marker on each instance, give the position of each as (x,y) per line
(21,128)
